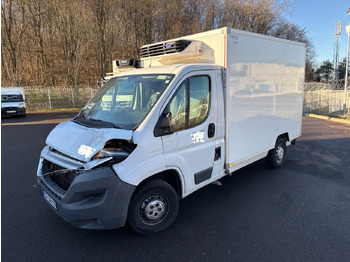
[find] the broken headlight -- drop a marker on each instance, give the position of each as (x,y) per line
(117,153)
(119,150)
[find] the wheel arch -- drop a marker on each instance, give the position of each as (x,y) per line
(170,176)
(285,136)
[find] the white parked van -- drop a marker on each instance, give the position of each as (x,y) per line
(13,101)
(201,107)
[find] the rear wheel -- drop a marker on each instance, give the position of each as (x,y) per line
(153,208)
(276,156)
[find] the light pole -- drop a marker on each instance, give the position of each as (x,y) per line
(346,70)
(346,67)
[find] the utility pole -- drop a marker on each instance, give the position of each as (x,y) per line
(346,67)
(336,50)
(346,70)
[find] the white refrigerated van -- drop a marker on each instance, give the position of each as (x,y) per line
(201,107)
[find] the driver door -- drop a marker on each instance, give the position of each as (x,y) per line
(191,144)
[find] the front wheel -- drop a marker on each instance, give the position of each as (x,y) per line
(153,208)
(276,156)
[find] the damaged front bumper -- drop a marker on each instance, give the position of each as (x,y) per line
(89,199)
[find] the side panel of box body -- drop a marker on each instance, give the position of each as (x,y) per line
(264,94)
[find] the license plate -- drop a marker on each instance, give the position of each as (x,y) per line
(11,111)
(50,200)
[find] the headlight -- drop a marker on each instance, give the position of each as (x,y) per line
(21,105)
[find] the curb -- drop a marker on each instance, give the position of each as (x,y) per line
(330,119)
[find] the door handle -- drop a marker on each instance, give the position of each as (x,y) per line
(211,130)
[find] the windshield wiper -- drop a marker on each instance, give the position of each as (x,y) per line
(81,119)
(105,123)
(100,122)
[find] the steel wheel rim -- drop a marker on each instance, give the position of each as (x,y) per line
(279,153)
(153,209)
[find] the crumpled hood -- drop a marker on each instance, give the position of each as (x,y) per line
(71,139)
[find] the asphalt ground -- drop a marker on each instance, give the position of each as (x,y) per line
(300,212)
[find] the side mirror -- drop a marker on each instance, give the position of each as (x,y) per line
(163,125)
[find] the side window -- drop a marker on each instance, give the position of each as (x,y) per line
(178,108)
(199,100)
(189,107)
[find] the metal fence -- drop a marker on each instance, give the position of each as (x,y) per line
(319,98)
(322,98)
(315,86)
(57,97)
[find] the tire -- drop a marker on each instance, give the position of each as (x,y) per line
(153,208)
(276,156)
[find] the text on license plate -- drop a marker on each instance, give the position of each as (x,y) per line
(50,200)
(11,111)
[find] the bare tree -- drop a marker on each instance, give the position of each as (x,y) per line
(103,34)
(13,27)
(257,16)
(73,42)
(41,45)
(72,32)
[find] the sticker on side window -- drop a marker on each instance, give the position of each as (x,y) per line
(198,137)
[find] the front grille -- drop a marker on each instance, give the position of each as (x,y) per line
(63,179)
(164,48)
(10,108)
(4,110)
(58,176)
(50,167)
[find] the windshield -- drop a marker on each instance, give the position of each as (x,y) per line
(11,98)
(124,102)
